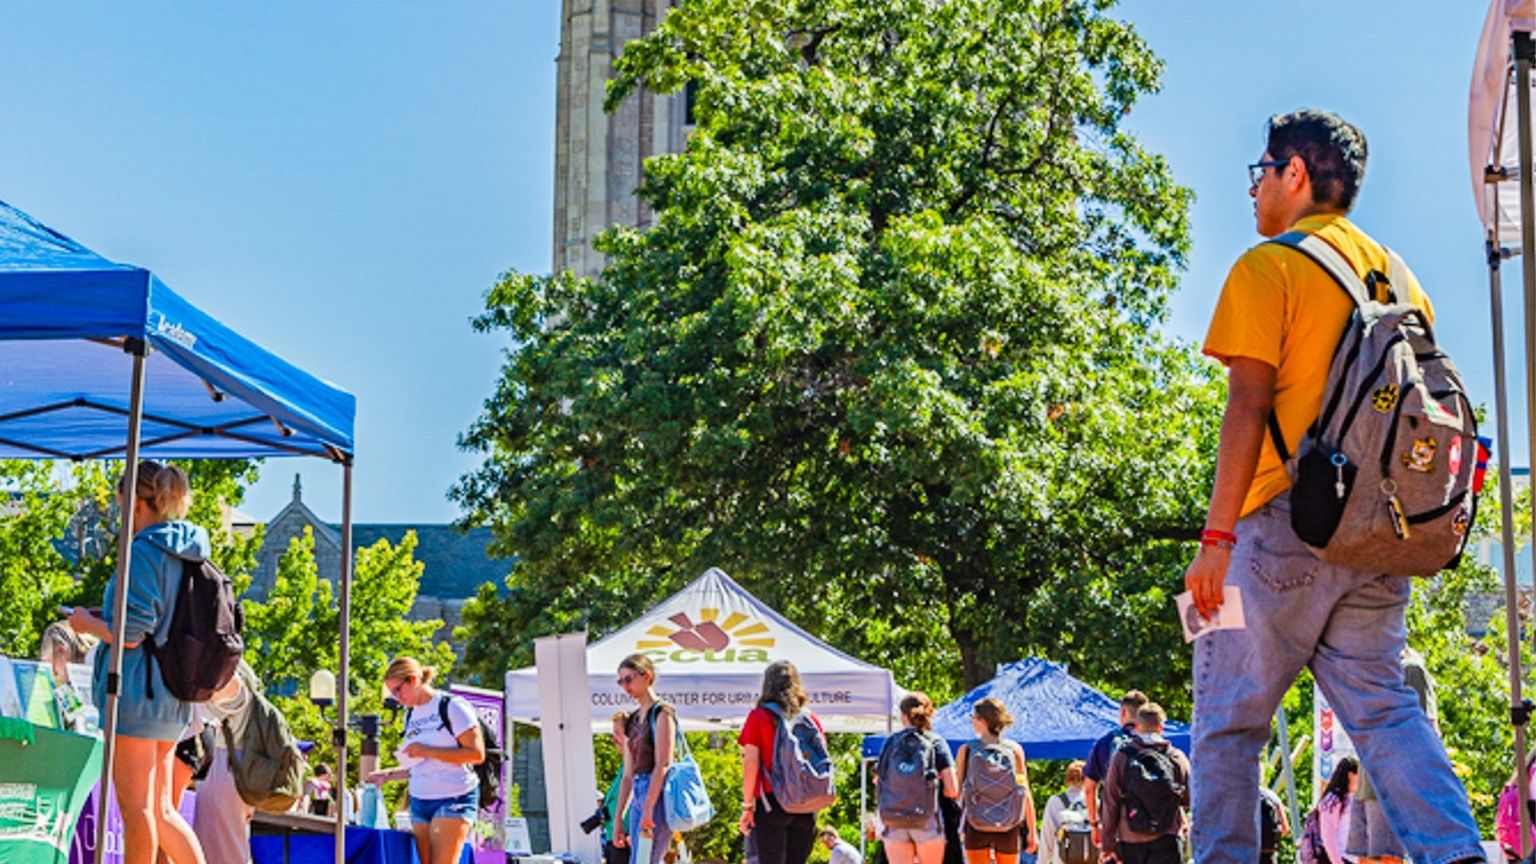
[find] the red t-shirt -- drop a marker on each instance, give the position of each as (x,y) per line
(760,730)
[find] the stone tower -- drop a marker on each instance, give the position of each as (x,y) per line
(598,155)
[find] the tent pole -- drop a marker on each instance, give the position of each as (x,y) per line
(1287,769)
(139,350)
(1507,529)
(1524,52)
(344,611)
(863,802)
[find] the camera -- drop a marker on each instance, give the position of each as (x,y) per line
(595,821)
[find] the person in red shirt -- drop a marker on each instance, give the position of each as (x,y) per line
(780,837)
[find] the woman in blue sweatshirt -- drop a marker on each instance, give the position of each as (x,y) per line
(148,726)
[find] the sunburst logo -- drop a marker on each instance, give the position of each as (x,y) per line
(710,638)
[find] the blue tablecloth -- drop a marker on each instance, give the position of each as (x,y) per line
(364,846)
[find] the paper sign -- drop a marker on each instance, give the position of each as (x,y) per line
(518,842)
(1228,617)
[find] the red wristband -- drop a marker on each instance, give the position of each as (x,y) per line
(1224,539)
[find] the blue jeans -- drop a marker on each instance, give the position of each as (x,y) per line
(1348,628)
(661,836)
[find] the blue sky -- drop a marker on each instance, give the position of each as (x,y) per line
(343,180)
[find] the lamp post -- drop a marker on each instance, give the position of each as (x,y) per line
(322,692)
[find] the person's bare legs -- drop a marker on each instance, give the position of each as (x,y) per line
(900,851)
(173,832)
(134,763)
(932,851)
(181,778)
(448,836)
(422,831)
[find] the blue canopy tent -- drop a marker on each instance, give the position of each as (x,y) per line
(1055,716)
(102,360)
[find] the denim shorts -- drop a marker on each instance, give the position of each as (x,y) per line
(466,807)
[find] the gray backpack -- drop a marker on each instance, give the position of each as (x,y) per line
(801,775)
(909,780)
(993,795)
(1382,481)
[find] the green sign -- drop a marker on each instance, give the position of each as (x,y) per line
(43,785)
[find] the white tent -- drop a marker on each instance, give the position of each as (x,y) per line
(1499,143)
(711,642)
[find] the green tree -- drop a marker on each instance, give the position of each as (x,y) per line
(34,577)
(888,354)
(295,632)
(58,533)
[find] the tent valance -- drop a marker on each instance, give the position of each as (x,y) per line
(711,642)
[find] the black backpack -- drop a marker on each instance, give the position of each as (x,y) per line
(1152,794)
(204,644)
(487,770)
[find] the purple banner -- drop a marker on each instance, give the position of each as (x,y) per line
(83,849)
(487,835)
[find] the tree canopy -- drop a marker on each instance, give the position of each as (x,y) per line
(888,353)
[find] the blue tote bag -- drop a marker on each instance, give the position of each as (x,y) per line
(683,797)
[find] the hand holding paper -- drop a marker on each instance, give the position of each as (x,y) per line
(1228,617)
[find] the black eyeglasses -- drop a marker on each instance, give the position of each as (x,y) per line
(1256,170)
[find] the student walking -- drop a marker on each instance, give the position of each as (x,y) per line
(914,768)
(786,770)
(1103,749)
(149,721)
(1145,792)
(1064,832)
(650,734)
(1276,325)
(994,790)
(442,742)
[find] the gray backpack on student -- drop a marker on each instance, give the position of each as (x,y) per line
(801,775)
(993,795)
(1382,481)
(909,780)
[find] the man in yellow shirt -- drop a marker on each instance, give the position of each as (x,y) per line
(1276,325)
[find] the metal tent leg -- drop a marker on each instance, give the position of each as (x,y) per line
(1524,52)
(344,610)
(138,349)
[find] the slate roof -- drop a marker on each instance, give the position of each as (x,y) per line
(456,563)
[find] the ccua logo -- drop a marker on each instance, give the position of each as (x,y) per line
(738,638)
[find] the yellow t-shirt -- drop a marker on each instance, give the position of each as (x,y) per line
(1280,307)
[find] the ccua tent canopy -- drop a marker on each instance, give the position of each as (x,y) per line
(711,642)
(1055,716)
(66,316)
(102,360)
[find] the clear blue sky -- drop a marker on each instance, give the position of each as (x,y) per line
(343,180)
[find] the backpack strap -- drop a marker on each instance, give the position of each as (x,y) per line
(1344,275)
(442,714)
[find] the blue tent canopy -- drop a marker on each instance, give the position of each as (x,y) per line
(100,359)
(66,316)
(1055,716)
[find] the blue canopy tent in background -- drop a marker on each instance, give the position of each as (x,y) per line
(1055,716)
(102,360)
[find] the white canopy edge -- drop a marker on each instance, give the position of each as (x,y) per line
(1492,136)
(711,642)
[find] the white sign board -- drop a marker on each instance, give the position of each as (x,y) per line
(518,842)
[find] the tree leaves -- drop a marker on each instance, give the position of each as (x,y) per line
(888,354)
